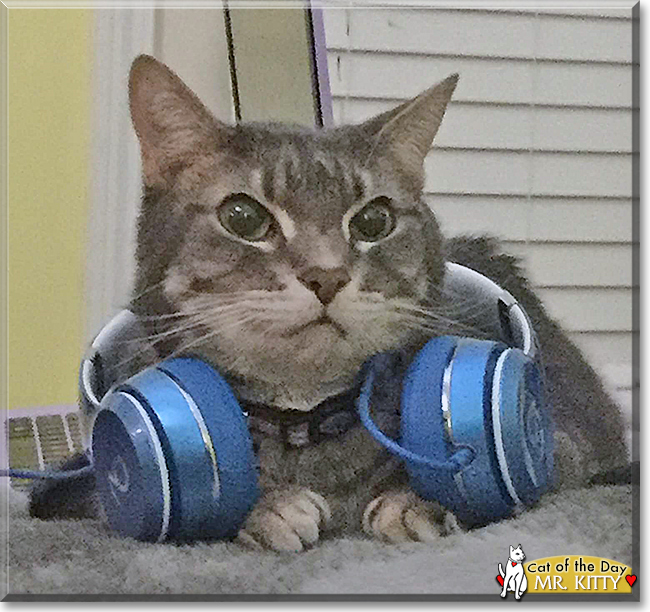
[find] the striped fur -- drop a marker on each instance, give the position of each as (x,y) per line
(252,307)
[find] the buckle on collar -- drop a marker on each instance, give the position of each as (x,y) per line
(296,429)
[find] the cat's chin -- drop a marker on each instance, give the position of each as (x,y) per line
(318,349)
(299,365)
(297,371)
(322,326)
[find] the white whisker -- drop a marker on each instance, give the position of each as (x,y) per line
(215,332)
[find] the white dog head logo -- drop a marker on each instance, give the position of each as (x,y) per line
(514,577)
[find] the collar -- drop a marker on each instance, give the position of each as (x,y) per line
(296,429)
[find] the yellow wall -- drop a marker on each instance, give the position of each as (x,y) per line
(49,60)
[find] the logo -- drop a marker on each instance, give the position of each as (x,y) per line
(514,577)
(118,478)
(563,574)
(579,574)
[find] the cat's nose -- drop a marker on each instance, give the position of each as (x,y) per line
(325,282)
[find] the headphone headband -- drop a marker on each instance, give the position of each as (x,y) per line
(499,312)
(97,373)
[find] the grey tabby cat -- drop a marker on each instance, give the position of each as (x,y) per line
(287,257)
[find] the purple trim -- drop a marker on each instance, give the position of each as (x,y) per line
(320,56)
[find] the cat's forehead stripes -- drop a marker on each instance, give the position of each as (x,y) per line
(310,184)
(267,182)
(359,185)
(263,183)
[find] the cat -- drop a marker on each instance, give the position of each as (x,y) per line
(286,257)
(514,577)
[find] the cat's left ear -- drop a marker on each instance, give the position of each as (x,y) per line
(408,130)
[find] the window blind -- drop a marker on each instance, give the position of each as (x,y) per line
(536,146)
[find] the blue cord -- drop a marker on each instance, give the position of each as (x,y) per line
(47,474)
(459,460)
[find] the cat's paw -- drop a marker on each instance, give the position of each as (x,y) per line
(286,521)
(402,516)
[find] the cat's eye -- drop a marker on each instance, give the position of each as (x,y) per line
(243,216)
(374,221)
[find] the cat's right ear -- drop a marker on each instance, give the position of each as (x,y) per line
(171,123)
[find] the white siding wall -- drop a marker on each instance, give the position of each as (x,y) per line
(536,146)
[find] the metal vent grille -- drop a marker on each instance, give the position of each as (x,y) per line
(40,440)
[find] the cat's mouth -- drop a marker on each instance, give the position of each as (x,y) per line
(323,320)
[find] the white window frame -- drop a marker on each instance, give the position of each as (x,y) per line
(192,43)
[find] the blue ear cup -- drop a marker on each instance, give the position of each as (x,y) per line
(461,393)
(173,457)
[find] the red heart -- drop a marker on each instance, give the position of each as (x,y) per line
(631,579)
(513,564)
(500,580)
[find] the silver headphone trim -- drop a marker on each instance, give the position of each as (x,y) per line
(516,313)
(205,435)
(162,465)
(498,432)
(445,405)
(87,390)
(445,399)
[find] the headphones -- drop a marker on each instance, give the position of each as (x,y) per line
(476,431)
(173,457)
